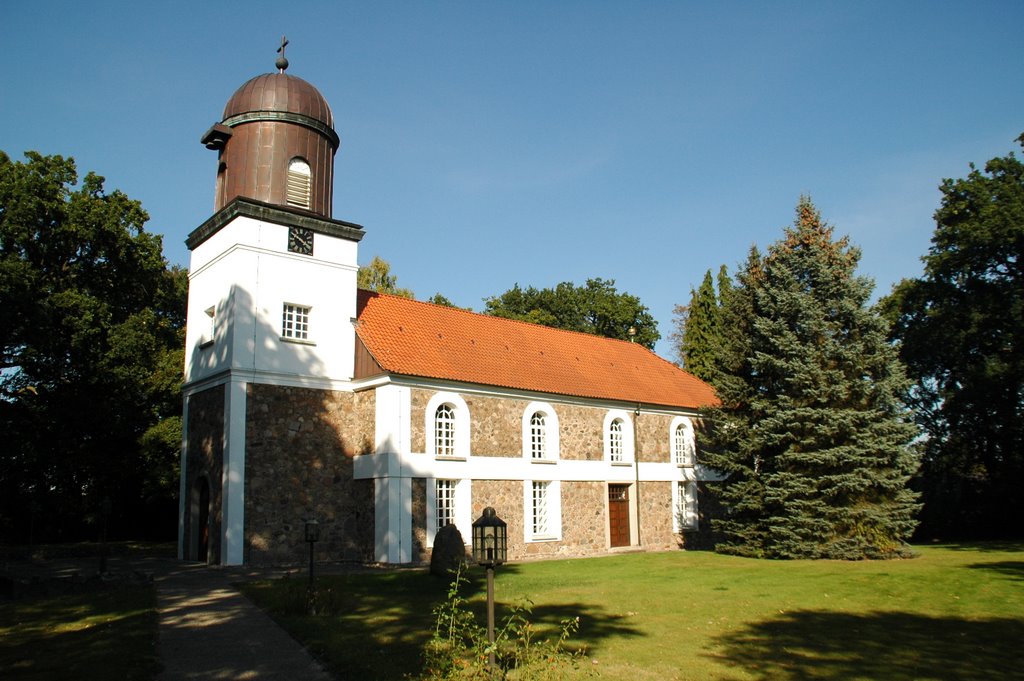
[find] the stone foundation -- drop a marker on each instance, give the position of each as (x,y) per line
(299,448)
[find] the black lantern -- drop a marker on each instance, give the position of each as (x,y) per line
(312,537)
(490,539)
(312,531)
(490,543)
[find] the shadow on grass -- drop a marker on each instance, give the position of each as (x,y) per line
(102,634)
(993,546)
(1014,569)
(882,645)
(375,626)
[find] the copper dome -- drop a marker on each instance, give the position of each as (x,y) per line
(279,92)
(271,122)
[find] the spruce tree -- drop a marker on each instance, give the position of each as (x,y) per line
(699,338)
(811,430)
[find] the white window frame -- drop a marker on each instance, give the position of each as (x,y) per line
(684,506)
(549,433)
(296,322)
(444,431)
(210,334)
(684,449)
(552,508)
(460,413)
(626,454)
(463,497)
(299,186)
(444,502)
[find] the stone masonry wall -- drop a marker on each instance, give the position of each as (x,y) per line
(205,458)
(653,443)
(299,448)
(417,405)
(420,552)
(656,516)
(496,431)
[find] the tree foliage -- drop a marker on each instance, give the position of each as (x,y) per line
(811,430)
(961,327)
(91,338)
(377,277)
(596,308)
(698,336)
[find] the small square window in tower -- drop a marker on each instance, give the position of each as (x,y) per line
(295,322)
(299,183)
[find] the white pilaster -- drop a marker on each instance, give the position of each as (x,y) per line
(233,474)
(393,520)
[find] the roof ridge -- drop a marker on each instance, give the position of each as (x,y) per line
(517,321)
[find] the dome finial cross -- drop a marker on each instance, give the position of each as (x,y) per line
(282,62)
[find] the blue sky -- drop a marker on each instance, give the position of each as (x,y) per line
(486,144)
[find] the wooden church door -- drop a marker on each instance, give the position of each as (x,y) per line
(618,514)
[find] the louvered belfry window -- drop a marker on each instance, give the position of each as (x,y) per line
(299,183)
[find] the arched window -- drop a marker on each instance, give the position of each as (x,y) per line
(683,445)
(538,436)
(446,426)
(618,437)
(444,431)
(540,433)
(299,183)
(616,452)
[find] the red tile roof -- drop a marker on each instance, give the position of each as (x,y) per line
(413,338)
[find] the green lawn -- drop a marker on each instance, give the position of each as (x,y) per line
(96,635)
(954,612)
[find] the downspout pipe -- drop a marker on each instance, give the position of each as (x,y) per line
(636,470)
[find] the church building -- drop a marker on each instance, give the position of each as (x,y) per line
(384,418)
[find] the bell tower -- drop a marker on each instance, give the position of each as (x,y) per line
(272,292)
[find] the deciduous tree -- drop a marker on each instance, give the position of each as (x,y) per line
(377,277)
(961,327)
(91,341)
(596,308)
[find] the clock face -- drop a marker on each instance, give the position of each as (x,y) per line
(300,240)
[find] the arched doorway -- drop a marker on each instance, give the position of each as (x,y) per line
(200,513)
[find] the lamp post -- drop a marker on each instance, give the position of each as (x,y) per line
(490,544)
(312,537)
(106,506)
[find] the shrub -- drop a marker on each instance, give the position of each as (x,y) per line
(459,648)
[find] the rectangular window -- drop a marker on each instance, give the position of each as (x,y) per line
(444,503)
(686,506)
(295,322)
(211,326)
(541,509)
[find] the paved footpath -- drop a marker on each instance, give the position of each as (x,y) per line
(208,630)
